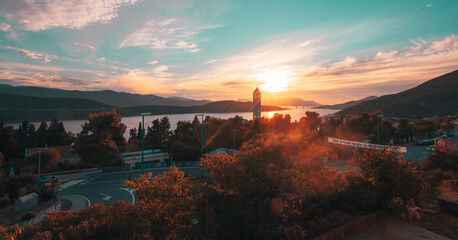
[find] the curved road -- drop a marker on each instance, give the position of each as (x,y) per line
(105,188)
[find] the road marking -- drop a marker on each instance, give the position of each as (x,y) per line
(69,184)
(131,191)
(88,180)
(106,197)
(87,199)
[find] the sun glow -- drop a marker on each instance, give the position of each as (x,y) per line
(274,80)
(271,114)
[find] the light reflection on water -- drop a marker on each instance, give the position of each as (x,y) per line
(132,121)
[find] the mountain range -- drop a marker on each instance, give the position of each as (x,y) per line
(342,106)
(438,96)
(119,99)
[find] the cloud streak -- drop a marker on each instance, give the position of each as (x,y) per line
(165,34)
(75,14)
(32,54)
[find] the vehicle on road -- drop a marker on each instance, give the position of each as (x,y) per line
(45,179)
(430,148)
(451,134)
(425,142)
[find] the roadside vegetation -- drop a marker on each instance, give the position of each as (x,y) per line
(275,186)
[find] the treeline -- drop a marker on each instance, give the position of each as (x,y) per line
(101,139)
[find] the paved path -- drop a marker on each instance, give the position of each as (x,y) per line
(395,229)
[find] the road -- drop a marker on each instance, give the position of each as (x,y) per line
(105,188)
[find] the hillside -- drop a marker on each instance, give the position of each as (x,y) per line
(120,99)
(434,97)
(344,105)
(14,108)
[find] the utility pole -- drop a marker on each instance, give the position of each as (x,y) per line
(39,160)
(202,138)
(413,129)
(378,127)
(234,136)
(143,138)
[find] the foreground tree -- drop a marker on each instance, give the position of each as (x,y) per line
(99,141)
(386,177)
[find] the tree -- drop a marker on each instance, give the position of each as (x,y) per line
(387,177)
(56,134)
(157,135)
(403,129)
(49,159)
(42,134)
(96,142)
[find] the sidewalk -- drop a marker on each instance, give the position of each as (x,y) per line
(78,202)
(394,229)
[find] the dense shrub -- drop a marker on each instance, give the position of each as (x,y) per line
(28,216)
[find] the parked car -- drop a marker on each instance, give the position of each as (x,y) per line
(451,134)
(45,179)
(430,148)
(425,142)
(443,136)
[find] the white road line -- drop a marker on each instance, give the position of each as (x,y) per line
(69,184)
(105,197)
(131,191)
(87,199)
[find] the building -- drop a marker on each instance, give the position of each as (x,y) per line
(256,103)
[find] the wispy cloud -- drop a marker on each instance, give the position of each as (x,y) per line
(153,62)
(165,34)
(76,14)
(5,27)
(32,54)
(430,5)
(86,46)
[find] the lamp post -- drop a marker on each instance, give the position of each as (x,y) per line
(234,136)
(39,160)
(378,127)
(326,137)
(143,137)
(202,145)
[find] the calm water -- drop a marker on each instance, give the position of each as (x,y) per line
(132,122)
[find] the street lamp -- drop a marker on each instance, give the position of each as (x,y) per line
(143,137)
(39,160)
(378,127)
(234,136)
(326,137)
(202,148)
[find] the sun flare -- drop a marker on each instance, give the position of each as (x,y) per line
(274,80)
(271,114)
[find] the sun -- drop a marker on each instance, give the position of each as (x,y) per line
(274,80)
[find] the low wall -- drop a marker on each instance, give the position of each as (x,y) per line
(350,228)
(55,207)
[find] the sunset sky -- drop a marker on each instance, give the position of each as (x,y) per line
(327,51)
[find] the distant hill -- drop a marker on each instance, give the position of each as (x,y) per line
(342,106)
(119,99)
(438,96)
(14,108)
(285,102)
